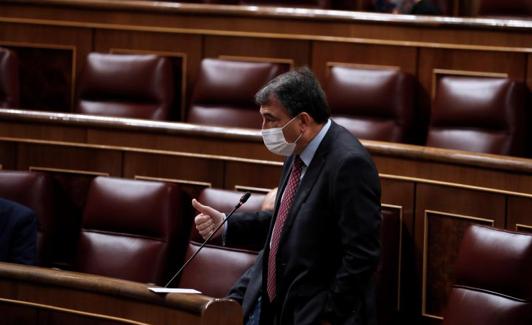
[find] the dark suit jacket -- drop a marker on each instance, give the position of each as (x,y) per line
(18,233)
(329,247)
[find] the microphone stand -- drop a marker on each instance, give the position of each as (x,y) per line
(243,200)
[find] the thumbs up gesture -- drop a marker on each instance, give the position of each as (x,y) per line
(207,220)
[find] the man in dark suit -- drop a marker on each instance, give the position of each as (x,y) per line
(18,233)
(320,245)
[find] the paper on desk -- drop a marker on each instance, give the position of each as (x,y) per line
(173,290)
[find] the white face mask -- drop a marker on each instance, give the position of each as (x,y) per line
(275,141)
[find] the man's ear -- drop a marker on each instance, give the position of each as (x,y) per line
(306,119)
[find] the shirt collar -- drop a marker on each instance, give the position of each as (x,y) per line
(310,150)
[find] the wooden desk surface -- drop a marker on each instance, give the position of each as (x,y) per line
(103,298)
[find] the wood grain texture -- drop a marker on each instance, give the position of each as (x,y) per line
(101,296)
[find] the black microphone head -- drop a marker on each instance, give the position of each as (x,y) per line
(245,197)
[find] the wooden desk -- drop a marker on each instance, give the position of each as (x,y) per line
(35,295)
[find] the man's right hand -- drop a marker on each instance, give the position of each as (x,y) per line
(207,220)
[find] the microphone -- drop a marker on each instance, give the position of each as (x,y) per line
(243,200)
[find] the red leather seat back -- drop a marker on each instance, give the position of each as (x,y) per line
(373,104)
(224,201)
(9,79)
(478,114)
(136,86)
(492,279)
(224,94)
(34,190)
(215,269)
(134,230)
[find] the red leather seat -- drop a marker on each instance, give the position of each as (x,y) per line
(492,279)
(134,230)
(215,269)
(373,104)
(479,114)
(9,79)
(224,94)
(521,8)
(136,86)
(34,190)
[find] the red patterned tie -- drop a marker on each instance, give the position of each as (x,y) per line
(286,203)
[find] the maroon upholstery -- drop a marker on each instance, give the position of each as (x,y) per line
(134,230)
(136,86)
(9,79)
(215,269)
(478,114)
(492,285)
(34,190)
(522,8)
(224,94)
(389,264)
(373,104)
(225,201)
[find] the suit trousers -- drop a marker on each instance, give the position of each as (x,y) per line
(254,317)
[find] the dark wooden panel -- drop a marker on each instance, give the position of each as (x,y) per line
(442,215)
(398,194)
(69,159)
(49,61)
(519,214)
(528,115)
(184,50)
(46,78)
(402,57)
(201,145)
(240,174)
(247,47)
(184,170)
(42,132)
(389,269)
(529,72)
(18,314)
(8,155)
(15,313)
(452,172)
